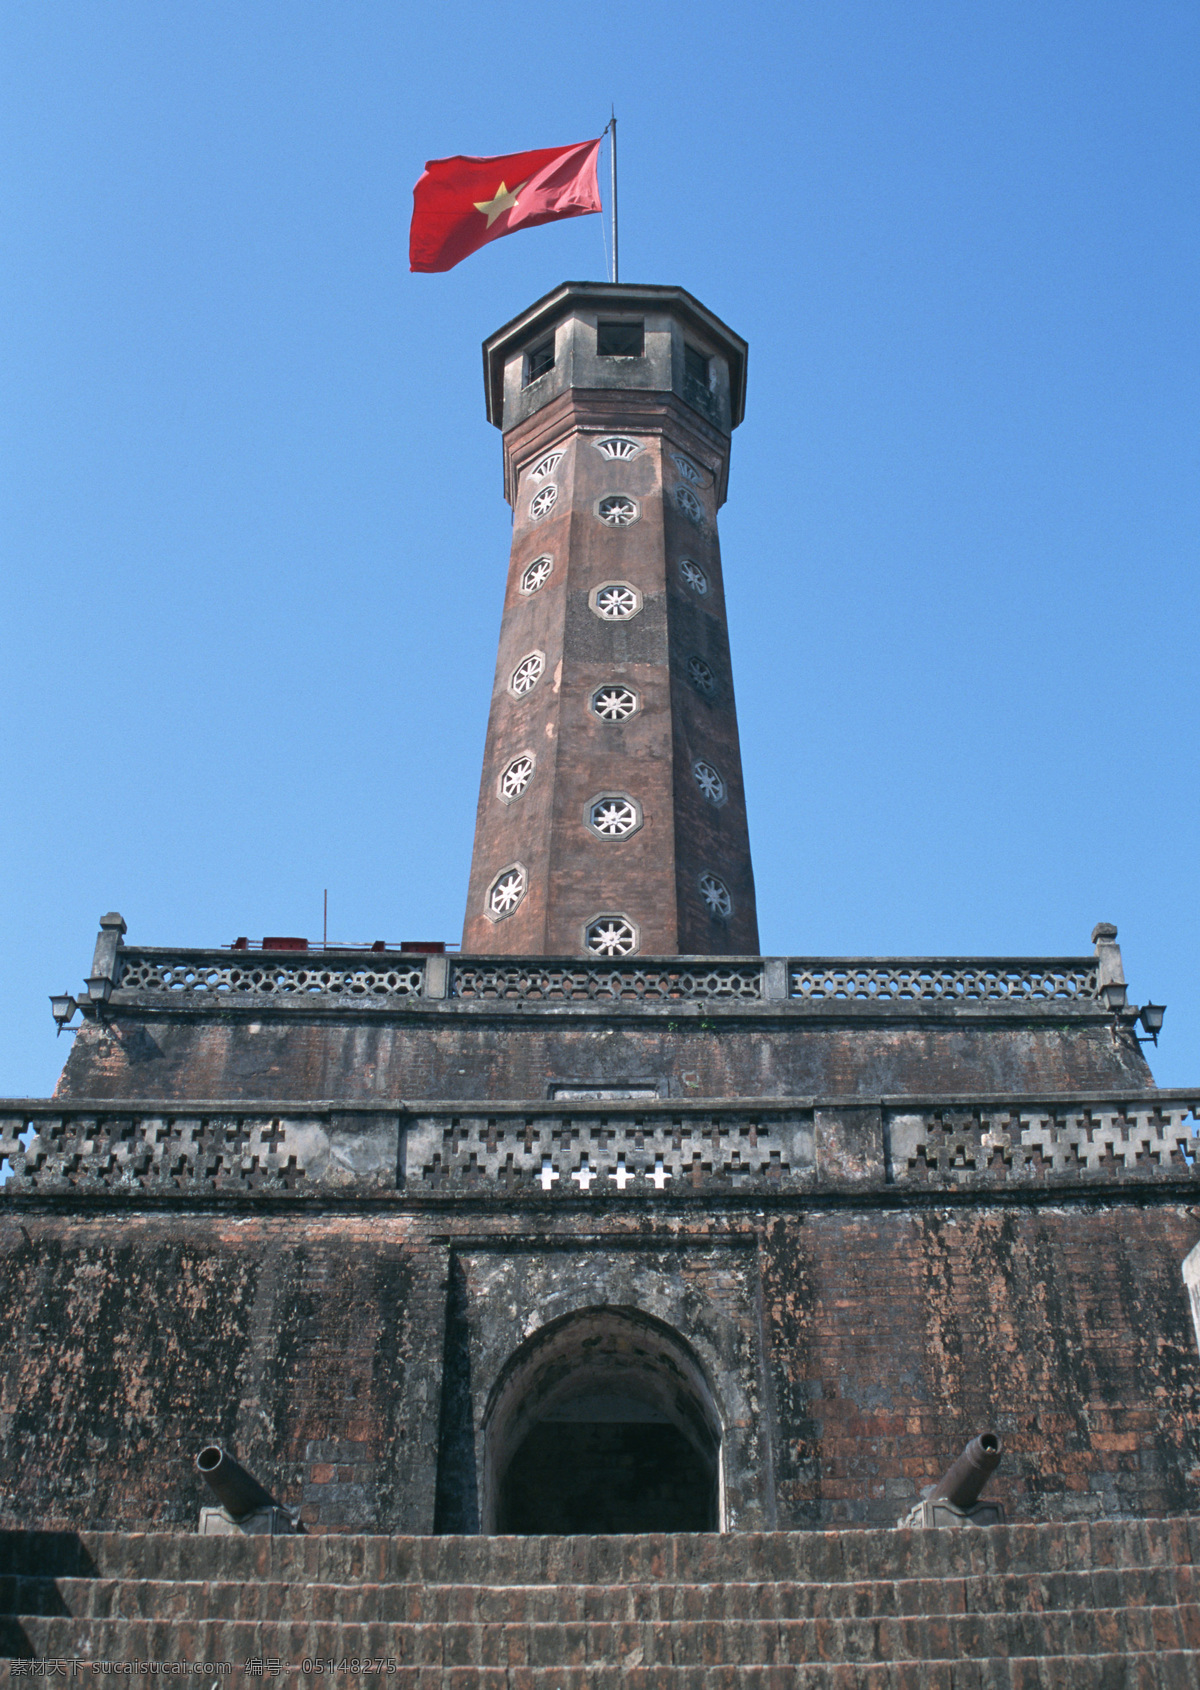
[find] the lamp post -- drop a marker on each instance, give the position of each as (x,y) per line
(1115,993)
(62,1007)
(1151,1018)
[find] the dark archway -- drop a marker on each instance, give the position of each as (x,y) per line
(602,1422)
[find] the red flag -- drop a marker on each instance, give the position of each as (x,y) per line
(460,204)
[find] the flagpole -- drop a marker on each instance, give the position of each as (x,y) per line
(612,127)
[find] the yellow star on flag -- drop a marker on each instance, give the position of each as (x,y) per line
(504,199)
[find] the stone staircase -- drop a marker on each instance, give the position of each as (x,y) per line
(1109,1603)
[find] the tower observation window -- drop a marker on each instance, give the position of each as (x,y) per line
(696,389)
(538,360)
(620,340)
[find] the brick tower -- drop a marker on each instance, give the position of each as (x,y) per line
(612,817)
(516,1275)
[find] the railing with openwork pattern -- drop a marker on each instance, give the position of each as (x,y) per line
(944,979)
(697,980)
(155,977)
(613,1152)
(199,974)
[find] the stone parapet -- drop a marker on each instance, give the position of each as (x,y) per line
(184,979)
(631,1152)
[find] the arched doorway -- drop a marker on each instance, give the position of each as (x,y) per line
(602,1421)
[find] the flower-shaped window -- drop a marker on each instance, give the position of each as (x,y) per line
(693,576)
(701,676)
(615,601)
(543,503)
(614,703)
(710,782)
(689,504)
(537,574)
(506,891)
(716,896)
(527,674)
(614,815)
(516,777)
(616,510)
(611,935)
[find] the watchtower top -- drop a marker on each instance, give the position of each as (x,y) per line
(599,335)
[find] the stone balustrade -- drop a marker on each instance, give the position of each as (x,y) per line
(152,978)
(633,1151)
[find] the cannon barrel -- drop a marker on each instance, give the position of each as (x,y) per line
(964,1481)
(238,1492)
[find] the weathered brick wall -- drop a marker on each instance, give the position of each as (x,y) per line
(473,1052)
(313,1343)
(310,1345)
(897,1335)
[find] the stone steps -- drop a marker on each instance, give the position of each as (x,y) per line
(1111,1604)
(678,1643)
(545,1604)
(1141,1671)
(684,1558)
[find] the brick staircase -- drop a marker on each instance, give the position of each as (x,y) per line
(1110,1603)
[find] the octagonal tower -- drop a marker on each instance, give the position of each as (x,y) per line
(612,816)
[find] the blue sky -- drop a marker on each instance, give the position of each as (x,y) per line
(251,517)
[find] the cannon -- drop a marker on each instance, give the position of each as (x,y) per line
(961,1484)
(244,1505)
(954,1500)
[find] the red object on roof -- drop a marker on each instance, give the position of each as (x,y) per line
(425,947)
(240,945)
(285,944)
